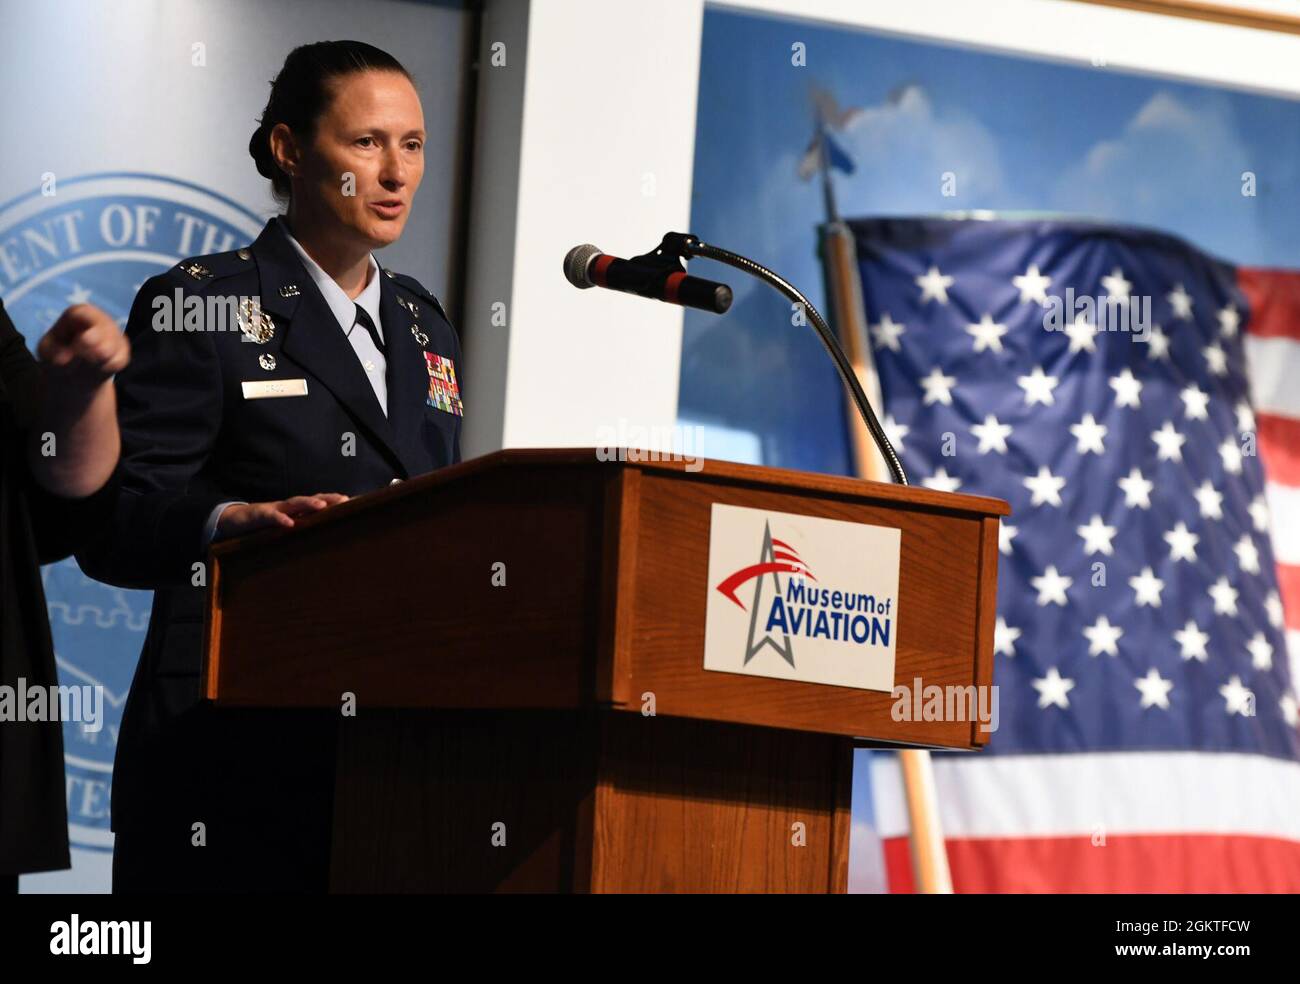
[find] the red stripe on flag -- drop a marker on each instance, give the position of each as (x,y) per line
(1180,863)
(1288,583)
(1279,448)
(1274,299)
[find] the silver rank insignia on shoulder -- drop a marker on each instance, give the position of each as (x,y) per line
(255,323)
(289,290)
(410,306)
(420,337)
(267,361)
(196,270)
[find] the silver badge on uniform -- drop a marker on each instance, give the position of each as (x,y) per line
(420,337)
(255,323)
(267,361)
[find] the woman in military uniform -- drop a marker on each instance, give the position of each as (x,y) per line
(324,389)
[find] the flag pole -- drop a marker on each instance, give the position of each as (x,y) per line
(848,315)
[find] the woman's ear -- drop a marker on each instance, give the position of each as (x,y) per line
(285,150)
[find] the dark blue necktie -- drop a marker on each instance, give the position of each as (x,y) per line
(368,323)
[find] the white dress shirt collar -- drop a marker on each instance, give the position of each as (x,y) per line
(343,307)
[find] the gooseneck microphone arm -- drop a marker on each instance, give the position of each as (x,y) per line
(686,246)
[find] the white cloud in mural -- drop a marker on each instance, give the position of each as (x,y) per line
(1169,160)
(903,147)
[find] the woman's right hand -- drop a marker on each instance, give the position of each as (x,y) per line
(244,517)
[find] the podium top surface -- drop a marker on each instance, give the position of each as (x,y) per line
(636,458)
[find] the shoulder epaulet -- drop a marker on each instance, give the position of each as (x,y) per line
(199,271)
(416,288)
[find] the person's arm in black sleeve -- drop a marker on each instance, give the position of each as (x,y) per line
(59,523)
(169,412)
(63,525)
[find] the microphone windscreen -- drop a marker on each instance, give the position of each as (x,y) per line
(577,265)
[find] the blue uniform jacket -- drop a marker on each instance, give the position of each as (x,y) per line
(192,438)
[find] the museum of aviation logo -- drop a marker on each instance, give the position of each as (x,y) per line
(96,238)
(797,608)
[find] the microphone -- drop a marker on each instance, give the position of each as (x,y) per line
(647,276)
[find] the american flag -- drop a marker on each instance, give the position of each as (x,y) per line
(1148,737)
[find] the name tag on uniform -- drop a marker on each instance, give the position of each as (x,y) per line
(265,389)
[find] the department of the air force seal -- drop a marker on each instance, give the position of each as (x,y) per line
(97,238)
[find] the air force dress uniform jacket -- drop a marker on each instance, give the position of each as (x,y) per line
(199,429)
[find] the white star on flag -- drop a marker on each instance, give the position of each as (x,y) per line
(992,435)
(1004,638)
(1169,443)
(886,333)
(1051,587)
(1052,689)
(1128,389)
(1209,500)
(1261,652)
(1038,387)
(1181,302)
(1103,637)
(935,285)
(1157,343)
(1229,321)
(1225,597)
(1231,455)
(987,334)
(1258,510)
(1216,360)
(941,481)
(1182,543)
(1273,608)
(1082,334)
(938,387)
(1238,699)
(1117,287)
(1045,488)
(1191,641)
(1088,433)
(1006,533)
(1290,710)
(1245,418)
(1137,490)
(895,431)
(1146,588)
(1154,689)
(1032,286)
(1096,537)
(1195,401)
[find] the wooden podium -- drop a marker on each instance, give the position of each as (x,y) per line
(499,741)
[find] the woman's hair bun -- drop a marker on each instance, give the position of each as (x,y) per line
(259,148)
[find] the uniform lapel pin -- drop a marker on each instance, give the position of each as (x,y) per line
(255,323)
